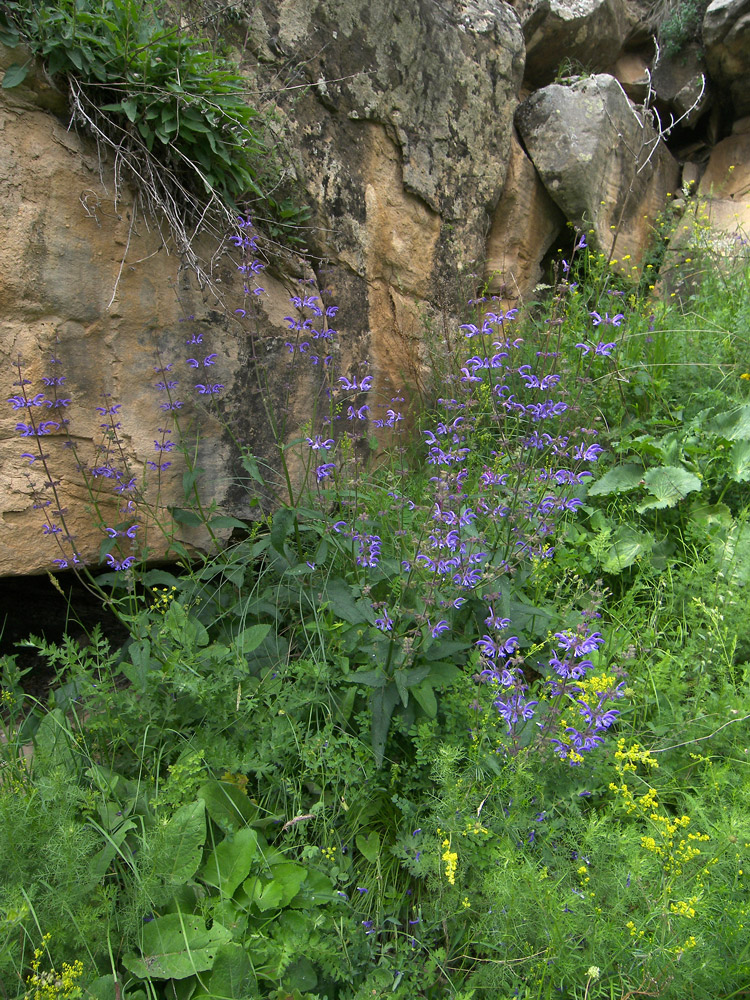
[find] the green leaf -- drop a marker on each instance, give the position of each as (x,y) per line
(425,698)
(370,678)
(177,857)
(617,480)
(300,976)
(281,526)
(227,805)
(739,459)
(232,974)
(229,864)
(732,425)
(627,546)
(289,877)
(250,638)
(186,517)
(250,465)
(15,74)
(668,484)
(344,605)
(369,846)
(382,703)
(176,946)
(130,107)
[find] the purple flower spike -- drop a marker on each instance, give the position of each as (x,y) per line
(324,471)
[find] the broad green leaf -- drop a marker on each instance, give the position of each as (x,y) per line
(733,425)
(370,678)
(186,517)
(344,605)
(369,846)
(627,546)
(232,975)
(15,75)
(103,988)
(250,638)
(229,864)
(668,484)
(425,698)
(740,461)
(265,895)
(250,465)
(177,856)
(316,890)
(176,946)
(617,480)
(227,805)
(734,556)
(130,107)
(281,526)
(300,976)
(289,877)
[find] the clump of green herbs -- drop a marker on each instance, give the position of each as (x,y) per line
(162,99)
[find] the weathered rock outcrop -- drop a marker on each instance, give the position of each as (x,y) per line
(400,135)
(726,36)
(398,121)
(600,161)
(577,33)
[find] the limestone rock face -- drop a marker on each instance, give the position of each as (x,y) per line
(590,32)
(90,295)
(726,36)
(604,166)
(399,116)
(525,224)
(725,186)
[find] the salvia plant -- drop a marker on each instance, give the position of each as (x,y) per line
(385,741)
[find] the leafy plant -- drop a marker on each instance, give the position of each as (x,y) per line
(172,110)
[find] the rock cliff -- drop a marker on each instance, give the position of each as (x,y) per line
(430,138)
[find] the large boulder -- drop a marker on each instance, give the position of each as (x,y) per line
(726,37)
(601,161)
(585,33)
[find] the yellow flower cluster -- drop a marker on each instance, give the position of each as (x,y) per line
(329,853)
(162,598)
(684,908)
(451,862)
(53,985)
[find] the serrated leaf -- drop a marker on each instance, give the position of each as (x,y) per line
(617,480)
(176,946)
(668,484)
